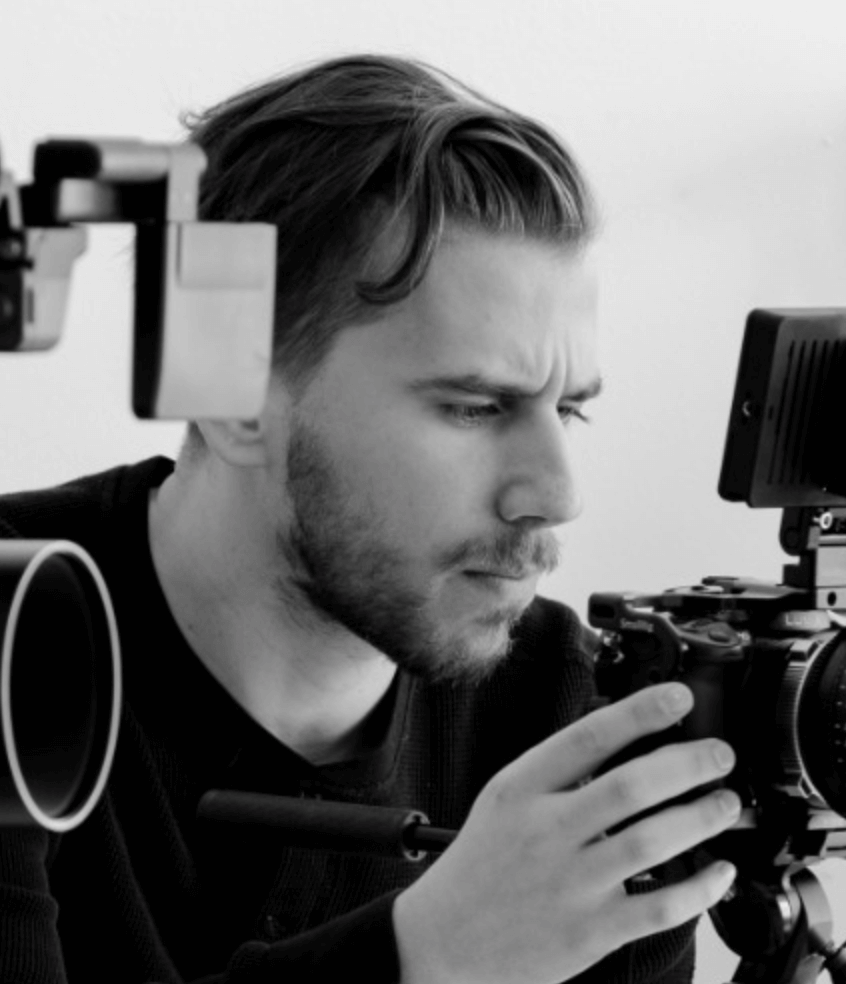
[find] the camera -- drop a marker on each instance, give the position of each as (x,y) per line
(769,677)
(766,661)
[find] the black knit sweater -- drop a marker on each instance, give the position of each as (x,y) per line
(143,891)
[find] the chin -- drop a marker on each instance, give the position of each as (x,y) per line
(471,654)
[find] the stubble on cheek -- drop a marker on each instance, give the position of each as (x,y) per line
(342,566)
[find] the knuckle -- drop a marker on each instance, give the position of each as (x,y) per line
(590,740)
(500,791)
(661,912)
(639,848)
(696,761)
(646,710)
(650,709)
(625,791)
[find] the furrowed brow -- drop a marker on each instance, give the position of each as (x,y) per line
(472,384)
(589,392)
(475,384)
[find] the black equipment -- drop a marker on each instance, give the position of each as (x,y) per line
(60,683)
(321,824)
(203,319)
(766,662)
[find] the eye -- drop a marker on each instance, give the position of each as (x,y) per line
(471,413)
(568,412)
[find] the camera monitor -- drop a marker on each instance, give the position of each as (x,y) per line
(785,445)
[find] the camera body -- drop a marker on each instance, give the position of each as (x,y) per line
(766,661)
(768,676)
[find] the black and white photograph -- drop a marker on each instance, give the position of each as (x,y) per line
(423,492)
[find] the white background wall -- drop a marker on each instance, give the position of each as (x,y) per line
(715,135)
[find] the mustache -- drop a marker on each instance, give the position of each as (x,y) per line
(511,550)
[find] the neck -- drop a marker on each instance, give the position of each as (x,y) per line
(304,678)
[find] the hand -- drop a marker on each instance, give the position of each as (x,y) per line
(531,890)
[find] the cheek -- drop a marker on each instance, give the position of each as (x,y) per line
(422,480)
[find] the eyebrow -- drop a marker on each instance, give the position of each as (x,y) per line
(476,384)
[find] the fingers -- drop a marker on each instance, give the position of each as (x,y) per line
(572,754)
(645,782)
(654,912)
(659,838)
(527,892)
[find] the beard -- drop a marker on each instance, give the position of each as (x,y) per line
(343,563)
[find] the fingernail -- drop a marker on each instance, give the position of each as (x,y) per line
(727,871)
(729,802)
(677,699)
(723,756)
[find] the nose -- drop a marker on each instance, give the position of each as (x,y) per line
(540,486)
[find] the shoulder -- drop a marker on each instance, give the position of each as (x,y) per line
(74,509)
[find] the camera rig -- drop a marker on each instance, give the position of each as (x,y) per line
(202,326)
(766,661)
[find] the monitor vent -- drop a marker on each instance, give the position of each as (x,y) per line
(798,410)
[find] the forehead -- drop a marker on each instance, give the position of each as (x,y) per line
(500,304)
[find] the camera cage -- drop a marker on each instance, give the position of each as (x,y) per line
(781,450)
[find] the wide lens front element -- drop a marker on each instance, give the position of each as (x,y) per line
(60,684)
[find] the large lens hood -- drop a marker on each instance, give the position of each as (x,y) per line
(60,683)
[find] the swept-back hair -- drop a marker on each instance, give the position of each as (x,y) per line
(333,153)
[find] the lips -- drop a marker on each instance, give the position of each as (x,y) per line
(509,574)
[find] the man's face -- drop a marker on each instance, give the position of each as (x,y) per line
(419,476)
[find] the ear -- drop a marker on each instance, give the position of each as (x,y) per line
(238,442)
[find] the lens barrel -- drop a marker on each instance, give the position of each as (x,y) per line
(60,683)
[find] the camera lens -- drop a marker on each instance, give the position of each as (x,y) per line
(59,683)
(821,723)
(53,686)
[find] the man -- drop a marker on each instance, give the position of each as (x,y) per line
(335,599)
